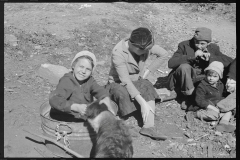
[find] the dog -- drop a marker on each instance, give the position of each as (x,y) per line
(113,139)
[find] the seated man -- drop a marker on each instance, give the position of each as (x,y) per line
(190,60)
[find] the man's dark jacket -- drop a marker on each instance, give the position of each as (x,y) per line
(186,54)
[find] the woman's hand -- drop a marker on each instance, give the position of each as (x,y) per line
(107,102)
(145,108)
(80,108)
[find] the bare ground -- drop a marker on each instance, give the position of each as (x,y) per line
(37,33)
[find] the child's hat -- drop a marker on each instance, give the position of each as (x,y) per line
(203,34)
(85,53)
(216,66)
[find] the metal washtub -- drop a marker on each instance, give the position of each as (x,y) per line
(77,135)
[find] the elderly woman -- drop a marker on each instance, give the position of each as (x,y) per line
(126,83)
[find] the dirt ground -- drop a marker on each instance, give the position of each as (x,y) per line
(38,33)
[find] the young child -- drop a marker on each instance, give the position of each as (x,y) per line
(76,89)
(228,105)
(208,93)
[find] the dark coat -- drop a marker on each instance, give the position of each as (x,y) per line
(207,94)
(69,91)
(232,70)
(186,54)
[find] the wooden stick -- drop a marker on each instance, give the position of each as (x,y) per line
(40,152)
(57,143)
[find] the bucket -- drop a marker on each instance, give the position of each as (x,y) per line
(79,136)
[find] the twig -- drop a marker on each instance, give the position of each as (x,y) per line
(163,154)
(160,71)
(20,81)
(9,90)
(40,152)
(57,143)
(201,137)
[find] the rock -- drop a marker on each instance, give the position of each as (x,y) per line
(231,141)
(11,39)
(52,72)
(38,47)
(163,91)
(20,52)
(64,51)
(190,140)
(101,63)
(218,133)
(180,147)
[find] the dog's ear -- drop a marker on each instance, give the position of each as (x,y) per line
(94,109)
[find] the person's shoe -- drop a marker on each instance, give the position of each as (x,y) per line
(150,132)
(186,102)
(165,94)
(225,128)
(190,116)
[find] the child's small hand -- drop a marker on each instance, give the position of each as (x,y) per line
(213,108)
(231,85)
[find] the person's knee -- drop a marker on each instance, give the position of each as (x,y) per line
(184,67)
(119,91)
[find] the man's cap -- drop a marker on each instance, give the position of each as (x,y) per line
(203,34)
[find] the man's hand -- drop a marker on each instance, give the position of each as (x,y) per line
(203,55)
(199,53)
(206,56)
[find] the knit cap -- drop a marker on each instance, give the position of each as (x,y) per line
(141,37)
(85,53)
(216,66)
(203,34)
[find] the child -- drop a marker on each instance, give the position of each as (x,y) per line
(76,89)
(228,105)
(208,93)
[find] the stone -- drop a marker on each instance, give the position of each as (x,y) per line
(52,72)
(11,39)
(38,47)
(101,63)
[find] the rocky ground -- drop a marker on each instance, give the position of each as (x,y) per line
(40,33)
